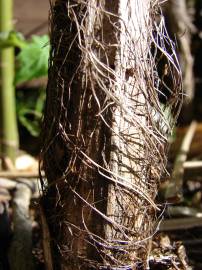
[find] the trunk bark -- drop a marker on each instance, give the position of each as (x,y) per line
(130,156)
(102,147)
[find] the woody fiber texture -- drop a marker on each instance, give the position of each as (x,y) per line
(113,96)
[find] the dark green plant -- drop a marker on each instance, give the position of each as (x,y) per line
(30,109)
(32,60)
(31,63)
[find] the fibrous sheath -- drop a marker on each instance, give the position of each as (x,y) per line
(105,129)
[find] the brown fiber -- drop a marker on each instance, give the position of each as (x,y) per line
(113,96)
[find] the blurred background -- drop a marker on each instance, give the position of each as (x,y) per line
(31,17)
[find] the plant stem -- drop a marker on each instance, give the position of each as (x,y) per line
(8,124)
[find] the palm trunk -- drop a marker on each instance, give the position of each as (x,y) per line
(103,150)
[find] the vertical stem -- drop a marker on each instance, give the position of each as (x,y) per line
(9,132)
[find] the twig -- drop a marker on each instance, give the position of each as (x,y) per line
(175,211)
(46,242)
(193,170)
(20,251)
(18,174)
(32,183)
(174,189)
(180,224)
(193,164)
(7,183)
(183,257)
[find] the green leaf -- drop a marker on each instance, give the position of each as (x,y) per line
(12,39)
(32,126)
(30,110)
(40,102)
(32,61)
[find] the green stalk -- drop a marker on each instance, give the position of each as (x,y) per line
(8,123)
